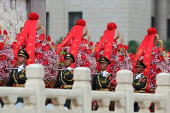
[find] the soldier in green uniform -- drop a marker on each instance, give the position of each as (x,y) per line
(65,77)
(102,82)
(140,82)
(18,77)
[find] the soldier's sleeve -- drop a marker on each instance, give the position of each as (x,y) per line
(9,83)
(107,80)
(22,75)
(69,75)
(140,83)
(56,85)
(94,82)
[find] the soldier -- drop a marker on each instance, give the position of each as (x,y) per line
(140,82)
(65,77)
(102,82)
(18,77)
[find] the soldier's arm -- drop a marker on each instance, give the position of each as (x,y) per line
(56,85)
(107,80)
(140,83)
(22,75)
(9,83)
(69,75)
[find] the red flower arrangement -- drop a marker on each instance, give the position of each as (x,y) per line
(111,26)
(81,22)
(152,30)
(33,16)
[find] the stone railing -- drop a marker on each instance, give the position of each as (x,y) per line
(34,94)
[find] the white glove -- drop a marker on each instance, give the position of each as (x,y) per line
(20,68)
(105,73)
(69,68)
(138,77)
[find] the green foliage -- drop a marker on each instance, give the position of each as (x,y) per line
(167,45)
(132,46)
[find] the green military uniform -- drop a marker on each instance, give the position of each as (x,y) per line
(139,84)
(65,79)
(101,82)
(18,78)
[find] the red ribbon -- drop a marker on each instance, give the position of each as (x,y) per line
(28,30)
(146,45)
(75,32)
(108,37)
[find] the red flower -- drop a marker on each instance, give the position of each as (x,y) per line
(33,16)
(96,44)
(0,32)
(13,45)
(38,55)
(3,57)
(52,43)
(152,30)
(121,58)
(87,63)
(83,57)
(158,71)
(5,33)
(45,62)
(113,81)
(119,46)
(42,37)
(48,38)
(160,58)
(111,26)
(156,50)
(152,76)
(88,51)
(46,48)
(17,36)
(81,22)
(153,57)
(112,63)
(97,56)
(83,48)
(153,66)
(154,81)
(118,70)
(126,47)
(114,51)
(91,44)
(1,45)
(84,41)
(38,45)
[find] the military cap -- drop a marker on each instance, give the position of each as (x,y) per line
(104,59)
(140,64)
(22,52)
(69,56)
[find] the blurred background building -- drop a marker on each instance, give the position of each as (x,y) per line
(133,17)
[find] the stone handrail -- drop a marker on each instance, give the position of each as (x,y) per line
(59,97)
(35,94)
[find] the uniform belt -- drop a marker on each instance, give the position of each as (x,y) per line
(66,86)
(139,91)
(103,89)
(18,85)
